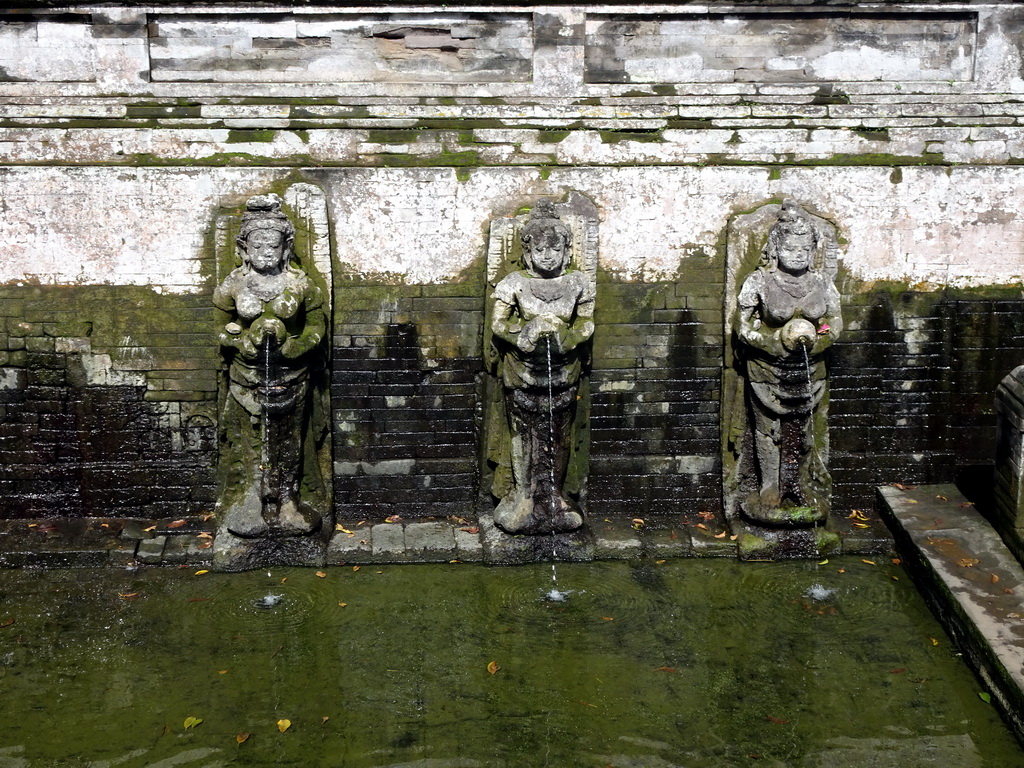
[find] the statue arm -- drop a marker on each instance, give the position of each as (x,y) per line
(224,300)
(582,328)
(502,323)
(750,328)
(312,332)
(831,324)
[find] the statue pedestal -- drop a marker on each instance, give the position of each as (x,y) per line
(1009,475)
(761,542)
(502,548)
(233,553)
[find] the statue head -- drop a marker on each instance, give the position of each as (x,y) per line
(266,236)
(792,241)
(546,240)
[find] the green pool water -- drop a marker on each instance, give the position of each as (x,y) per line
(680,663)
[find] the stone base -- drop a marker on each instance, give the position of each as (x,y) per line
(500,548)
(232,553)
(758,542)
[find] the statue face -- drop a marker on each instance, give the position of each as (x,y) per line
(548,254)
(265,251)
(795,254)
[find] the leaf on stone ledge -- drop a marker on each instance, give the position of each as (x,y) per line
(967,562)
(472,529)
(176,524)
(393,519)
(342,528)
(204,535)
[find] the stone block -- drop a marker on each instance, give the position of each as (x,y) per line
(387,542)
(432,542)
(345,548)
(151,551)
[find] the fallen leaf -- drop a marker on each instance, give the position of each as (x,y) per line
(241,738)
(912,501)
(968,562)
(7,623)
(363,522)
(176,524)
(673,535)
(201,571)
(965,504)
(204,535)
(342,528)
(284,579)
(637,521)
(588,704)
(995,579)
(104,525)
(942,498)
(734,537)
(127,595)
(472,529)
(151,528)
(899,671)
(823,562)
(706,515)
(192,722)
(355,567)
(342,604)
(934,641)
(869,562)
(222,671)
(206,545)
(702,526)
(1008,590)
(608,618)
(665,669)
(284,725)
(207,516)
(324,719)
(321,575)
(721,535)
(392,519)
(985,697)
(896,561)
(901,486)
(861,525)
(777,720)
(842,570)
(493,667)
(659,562)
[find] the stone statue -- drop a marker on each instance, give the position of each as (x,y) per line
(276,323)
(788,315)
(542,321)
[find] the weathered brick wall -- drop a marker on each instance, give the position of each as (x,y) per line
(124,130)
(106,412)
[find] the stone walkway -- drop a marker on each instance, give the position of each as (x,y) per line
(88,542)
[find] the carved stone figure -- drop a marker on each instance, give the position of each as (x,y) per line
(787,317)
(542,320)
(276,322)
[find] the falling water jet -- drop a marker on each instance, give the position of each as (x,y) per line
(551,465)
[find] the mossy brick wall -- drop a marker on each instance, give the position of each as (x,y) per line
(405,392)
(108,403)
(913,382)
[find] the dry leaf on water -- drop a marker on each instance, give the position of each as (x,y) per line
(283,725)
(321,575)
(493,667)
(192,722)
(242,738)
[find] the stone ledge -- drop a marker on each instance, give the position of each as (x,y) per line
(971,582)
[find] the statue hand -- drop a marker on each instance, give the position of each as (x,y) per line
(243,343)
